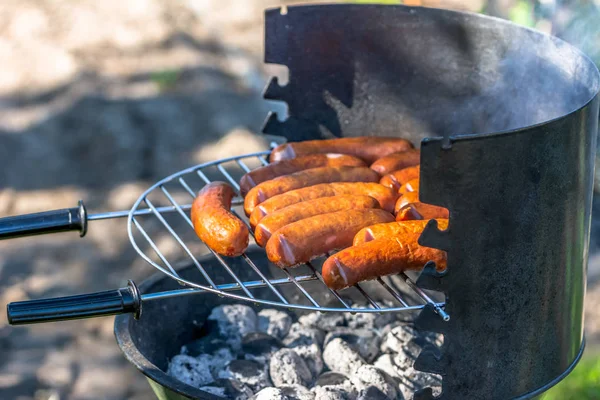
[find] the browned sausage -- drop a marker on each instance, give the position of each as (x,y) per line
(396,161)
(421,211)
(396,179)
(378,258)
(393,229)
(385,196)
(406,198)
(306,239)
(286,167)
(222,231)
(368,148)
(308,177)
(410,186)
(296,212)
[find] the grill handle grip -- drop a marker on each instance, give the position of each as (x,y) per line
(69,219)
(110,302)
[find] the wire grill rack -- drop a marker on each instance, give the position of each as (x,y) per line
(165,208)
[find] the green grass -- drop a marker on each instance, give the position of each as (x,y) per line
(165,80)
(582,384)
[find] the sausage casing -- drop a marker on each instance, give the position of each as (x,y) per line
(308,177)
(378,258)
(214,223)
(394,229)
(398,178)
(410,186)
(296,212)
(385,196)
(286,167)
(368,148)
(396,161)
(405,199)
(420,210)
(306,239)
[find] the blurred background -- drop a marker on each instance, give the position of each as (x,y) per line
(100,98)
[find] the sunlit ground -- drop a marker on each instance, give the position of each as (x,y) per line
(582,384)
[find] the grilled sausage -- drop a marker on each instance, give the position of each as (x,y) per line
(396,161)
(394,229)
(405,199)
(420,210)
(410,186)
(296,212)
(396,179)
(368,148)
(222,231)
(286,167)
(309,177)
(385,196)
(378,258)
(306,239)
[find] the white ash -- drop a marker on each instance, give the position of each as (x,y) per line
(312,356)
(340,357)
(297,392)
(332,393)
(302,335)
(217,361)
(229,389)
(325,321)
(250,373)
(274,322)
(368,356)
(412,380)
(368,320)
(270,393)
(368,375)
(288,368)
(190,370)
(234,322)
(364,341)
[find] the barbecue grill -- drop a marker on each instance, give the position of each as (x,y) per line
(507,121)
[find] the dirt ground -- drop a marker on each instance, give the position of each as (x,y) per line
(97,100)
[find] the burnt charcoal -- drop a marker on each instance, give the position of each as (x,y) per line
(332,393)
(270,393)
(302,335)
(234,322)
(394,337)
(324,321)
(368,320)
(312,356)
(331,378)
(251,373)
(257,343)
(297,392)
(372,393)
(288,368)
(274,322)
(412,380)
(205,345)
(369,376)
(364,341)
(229,389)
(190,370)
(340,357)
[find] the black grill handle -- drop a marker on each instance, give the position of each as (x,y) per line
(69,219)
(110,302)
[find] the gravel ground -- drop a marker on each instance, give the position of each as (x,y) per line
(97,100)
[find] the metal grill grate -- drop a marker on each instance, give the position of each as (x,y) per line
(180,244)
